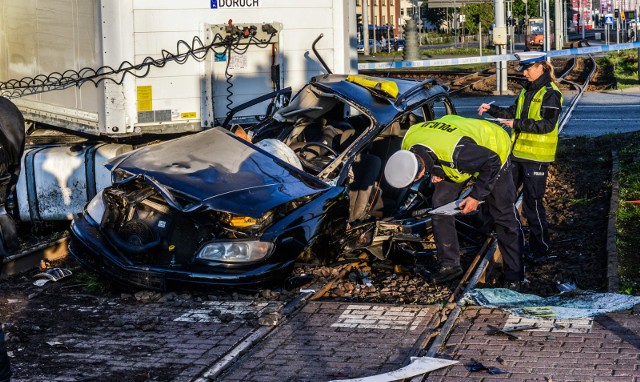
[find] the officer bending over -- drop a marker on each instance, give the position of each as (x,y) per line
(452,150)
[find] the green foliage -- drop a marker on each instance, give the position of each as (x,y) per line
(485,10)
(625,67)
(628,229)
(91,282)
(450,52)
(434,15)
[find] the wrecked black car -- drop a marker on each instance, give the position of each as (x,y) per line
(215,208)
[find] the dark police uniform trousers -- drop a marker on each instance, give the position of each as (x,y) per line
(533,177)
(501,206)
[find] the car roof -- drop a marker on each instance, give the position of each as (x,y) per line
(376,103)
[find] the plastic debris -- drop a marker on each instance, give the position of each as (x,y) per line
(53,274)
(494,370)
(418,366)
(579,305)
(567,287)
(298,281)
(475,366)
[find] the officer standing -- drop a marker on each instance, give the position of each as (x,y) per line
(452,150)
(533,119)
(12,136)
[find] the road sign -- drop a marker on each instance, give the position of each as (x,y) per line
(608,19)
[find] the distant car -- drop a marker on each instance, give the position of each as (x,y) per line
(215,209)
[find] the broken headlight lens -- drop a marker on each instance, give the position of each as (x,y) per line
(96,208)
(235,252)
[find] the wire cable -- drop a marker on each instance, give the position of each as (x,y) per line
(197,50)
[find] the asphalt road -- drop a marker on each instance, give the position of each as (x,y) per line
(613,111)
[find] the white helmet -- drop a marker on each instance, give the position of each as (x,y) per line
(401,169)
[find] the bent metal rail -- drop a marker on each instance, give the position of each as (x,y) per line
(31,256)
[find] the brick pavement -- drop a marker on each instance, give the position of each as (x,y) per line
(327,340)
(124,339)
(605,348)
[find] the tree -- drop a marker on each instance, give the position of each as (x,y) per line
(433,15)
(483,10)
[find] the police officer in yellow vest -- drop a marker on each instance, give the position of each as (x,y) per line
(452,150)
(534,122)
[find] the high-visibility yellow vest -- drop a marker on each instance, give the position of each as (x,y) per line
(442,136)
(536,147)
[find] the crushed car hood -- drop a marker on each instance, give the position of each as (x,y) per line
(220,171)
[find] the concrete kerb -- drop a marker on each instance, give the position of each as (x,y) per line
(612,249)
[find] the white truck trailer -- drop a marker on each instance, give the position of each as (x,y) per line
(120,68)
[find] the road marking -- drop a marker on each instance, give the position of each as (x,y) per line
(381,317)
(213,309)
(580,325)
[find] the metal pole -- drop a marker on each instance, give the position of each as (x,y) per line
(559,39)
(455,27)
(480,37)
(618,24)
(500,42)
(582,16)
(547,35)
(365,26)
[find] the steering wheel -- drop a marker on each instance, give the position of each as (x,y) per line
(317,161)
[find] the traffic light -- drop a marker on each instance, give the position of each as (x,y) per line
(359,19)
(476,19)
(616,13)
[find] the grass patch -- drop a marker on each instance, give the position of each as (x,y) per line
(625,67)
(451,52)
(628,229)
(91,281)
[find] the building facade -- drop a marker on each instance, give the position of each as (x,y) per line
(388,14)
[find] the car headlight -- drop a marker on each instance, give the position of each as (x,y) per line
(235,252)
(96,208)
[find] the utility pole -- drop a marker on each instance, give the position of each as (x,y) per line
(500,42)
(559,30)
(480,37)
(547,24)
(365,26)
(582,16)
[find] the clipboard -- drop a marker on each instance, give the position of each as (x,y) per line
(498,120)
(452,208)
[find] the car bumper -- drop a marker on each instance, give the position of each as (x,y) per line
(89,247)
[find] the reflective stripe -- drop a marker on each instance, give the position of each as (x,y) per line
(537,147)
(443,135)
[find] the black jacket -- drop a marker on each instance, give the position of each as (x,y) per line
(471,158)
(551,108)
(12,137)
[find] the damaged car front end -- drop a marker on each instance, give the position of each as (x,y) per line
(215,209)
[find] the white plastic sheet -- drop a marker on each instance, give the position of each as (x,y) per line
(581,305)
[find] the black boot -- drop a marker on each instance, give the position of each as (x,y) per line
(446,273)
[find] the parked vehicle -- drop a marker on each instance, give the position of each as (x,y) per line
(213,208)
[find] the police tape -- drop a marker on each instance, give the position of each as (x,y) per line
(489,59)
